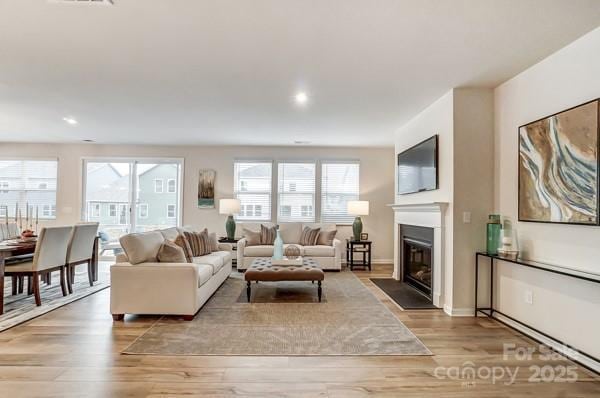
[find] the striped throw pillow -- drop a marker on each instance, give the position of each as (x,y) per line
(309,236)
(182,242)
(199,242)
(267,234)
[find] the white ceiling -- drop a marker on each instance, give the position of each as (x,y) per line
(225,71)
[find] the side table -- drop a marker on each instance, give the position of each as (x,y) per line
(234,241)
(358,246)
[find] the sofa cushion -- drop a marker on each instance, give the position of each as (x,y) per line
(325,238)
(142,247)
(309,236)
(267,234)
(213,242)
(258,251)
(169,252)
(319,251)
(252,237)
(170,233)
(290,232)
(205,272)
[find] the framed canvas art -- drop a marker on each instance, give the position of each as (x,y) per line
(206,189)
(558,167)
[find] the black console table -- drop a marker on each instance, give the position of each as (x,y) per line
(489,311)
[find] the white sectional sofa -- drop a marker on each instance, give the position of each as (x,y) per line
(328,257)
(143,285)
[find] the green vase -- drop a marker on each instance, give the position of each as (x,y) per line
(357,228)
(493,234)
(230,228)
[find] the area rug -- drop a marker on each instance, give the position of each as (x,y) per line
(403,295)
(349,321)
(22,308)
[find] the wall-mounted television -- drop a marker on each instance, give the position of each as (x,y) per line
(418,167)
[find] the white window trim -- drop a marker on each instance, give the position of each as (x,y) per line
(162,185)
(144,205)
(175,211)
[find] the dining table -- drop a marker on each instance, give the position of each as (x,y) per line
(18,247)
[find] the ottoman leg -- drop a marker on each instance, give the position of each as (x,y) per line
(319,291)
(248,289)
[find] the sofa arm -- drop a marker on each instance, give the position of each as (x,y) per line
(122,258)
(241,245)
(154,288)
(338,250)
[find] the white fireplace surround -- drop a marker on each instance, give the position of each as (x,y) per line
(423,215)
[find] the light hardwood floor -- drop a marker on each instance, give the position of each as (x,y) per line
(74,352)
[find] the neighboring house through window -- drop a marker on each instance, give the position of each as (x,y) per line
(158,185)
(253,186)
(171,186)
(43,185)
(112,210)
(94,210)
(143,210)
(171,213)
(4,185)
(48,211)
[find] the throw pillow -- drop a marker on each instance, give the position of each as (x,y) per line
(309,236)
(214,242)
(199,242)
(326,237)
(267,234)
(252,238)
(170,252)
(182,242)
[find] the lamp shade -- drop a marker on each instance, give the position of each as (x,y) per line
(358,207)
(229,206)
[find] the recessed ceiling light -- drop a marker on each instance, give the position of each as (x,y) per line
(300,142)
(301,98)
(70,120)
(88,140)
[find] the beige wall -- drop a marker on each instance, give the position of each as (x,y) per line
(563,307)
(376,176)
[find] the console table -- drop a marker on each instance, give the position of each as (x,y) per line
(489,311)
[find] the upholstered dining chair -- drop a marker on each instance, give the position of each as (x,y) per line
(80,251)
(50,254)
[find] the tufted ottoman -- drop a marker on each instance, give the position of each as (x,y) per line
(261,270)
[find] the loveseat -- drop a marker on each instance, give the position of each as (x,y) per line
(328,257)
(142,285)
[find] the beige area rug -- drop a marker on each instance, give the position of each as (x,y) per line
(285,320)
(22,308)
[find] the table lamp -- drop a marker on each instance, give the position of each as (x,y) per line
(358,208)
(229,207)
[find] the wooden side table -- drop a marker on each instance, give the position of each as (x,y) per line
(358,246)
(233,242)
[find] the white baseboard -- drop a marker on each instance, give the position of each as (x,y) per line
(378,261)
(551,343)
(458,311)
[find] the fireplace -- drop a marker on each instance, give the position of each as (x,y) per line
(417,260)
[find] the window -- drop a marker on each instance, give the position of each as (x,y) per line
(19,185)
(296,190)
(286,211)
(3,211)
(171,211)
(143,210)
(122,214)
(158,185)
(49,211)
(112,210)
(171,186)
(253,185)
(339,184)
(94,210)
(306,211)
(43,185)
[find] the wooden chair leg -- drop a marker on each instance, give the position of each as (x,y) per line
(118,317)
(13,283)
(63,282)
(29,285)
(69,279)
(36,289)
(91,273)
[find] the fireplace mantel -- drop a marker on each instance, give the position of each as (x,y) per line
(431,215)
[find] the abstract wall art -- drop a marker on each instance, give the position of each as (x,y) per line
(206,189)
(558,167)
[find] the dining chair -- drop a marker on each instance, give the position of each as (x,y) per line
(81,251)
(50,253)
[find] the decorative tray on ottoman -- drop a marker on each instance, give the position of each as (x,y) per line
(287,261)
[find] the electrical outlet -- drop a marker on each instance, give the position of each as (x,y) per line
(466,217)
(528,297)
